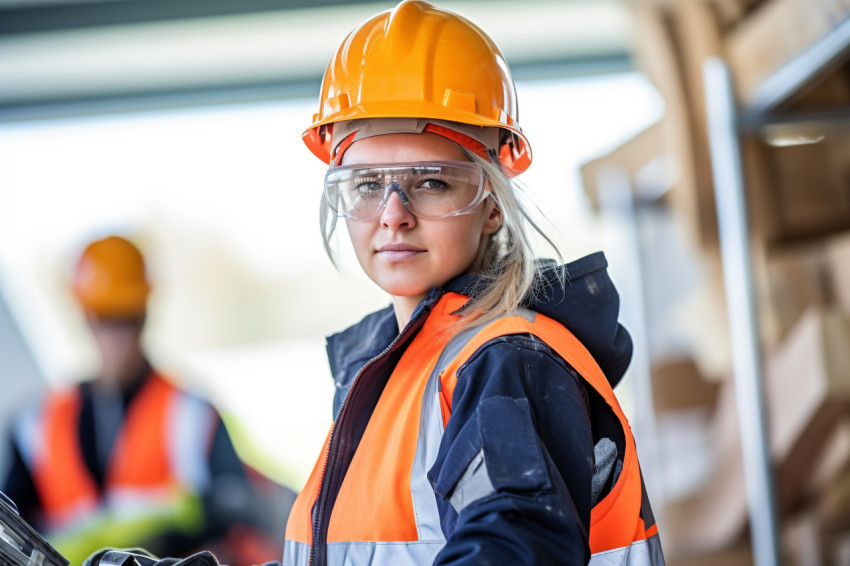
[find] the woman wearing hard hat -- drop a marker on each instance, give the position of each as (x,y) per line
(475,421)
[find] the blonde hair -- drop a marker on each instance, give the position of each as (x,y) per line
(507,267)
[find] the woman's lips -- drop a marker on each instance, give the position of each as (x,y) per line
(398,252)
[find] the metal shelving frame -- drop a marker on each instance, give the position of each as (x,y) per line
(728,119)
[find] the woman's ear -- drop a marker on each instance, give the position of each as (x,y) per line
(494,218)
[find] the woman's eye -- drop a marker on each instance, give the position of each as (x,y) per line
(433,185)
(368,188)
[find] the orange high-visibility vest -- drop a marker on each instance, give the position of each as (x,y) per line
(385,512)
(160,453)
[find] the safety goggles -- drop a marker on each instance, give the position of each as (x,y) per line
(429,189)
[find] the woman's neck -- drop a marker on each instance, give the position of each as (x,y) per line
(404,307)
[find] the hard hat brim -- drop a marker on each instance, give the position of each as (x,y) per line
(319,141)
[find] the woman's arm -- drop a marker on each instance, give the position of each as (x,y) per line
(513,475)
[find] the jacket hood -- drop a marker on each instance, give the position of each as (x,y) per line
(579,295)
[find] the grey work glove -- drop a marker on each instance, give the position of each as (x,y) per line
(141,557)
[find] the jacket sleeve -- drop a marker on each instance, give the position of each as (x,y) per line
(223,459)
(513,474)
(228,485)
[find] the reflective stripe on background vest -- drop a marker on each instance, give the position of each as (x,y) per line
(160,454)
(385,512)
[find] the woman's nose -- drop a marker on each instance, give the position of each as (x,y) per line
(395,215)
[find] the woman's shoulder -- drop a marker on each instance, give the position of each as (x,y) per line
(518,364)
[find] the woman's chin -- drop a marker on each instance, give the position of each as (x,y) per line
(404,291)
(407,294)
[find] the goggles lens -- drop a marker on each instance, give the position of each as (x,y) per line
(431,189)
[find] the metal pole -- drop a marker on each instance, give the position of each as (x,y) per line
(824,53)
(737,273)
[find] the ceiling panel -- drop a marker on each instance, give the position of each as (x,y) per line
(165,52)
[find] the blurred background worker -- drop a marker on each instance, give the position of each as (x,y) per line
(128,458)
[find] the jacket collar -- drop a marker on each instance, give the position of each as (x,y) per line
(579,295)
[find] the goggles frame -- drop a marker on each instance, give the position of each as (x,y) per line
(392,186)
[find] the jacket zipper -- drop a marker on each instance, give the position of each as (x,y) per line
(318,548)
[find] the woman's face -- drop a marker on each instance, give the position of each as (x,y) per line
(404,255)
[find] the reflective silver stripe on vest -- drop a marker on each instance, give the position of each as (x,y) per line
(640,553)
(295,553)
(428,444)
(430,434)
(29,434)
(383,553)
(366,553)
(475,484)
(190,429)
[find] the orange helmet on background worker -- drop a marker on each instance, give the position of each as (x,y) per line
(110,280)
(418,61)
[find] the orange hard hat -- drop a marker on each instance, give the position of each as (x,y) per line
(418,61)
(110,279)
